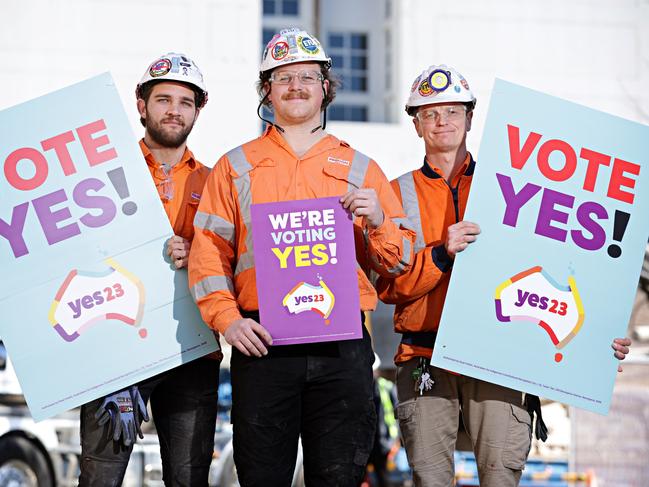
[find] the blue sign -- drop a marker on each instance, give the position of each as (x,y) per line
(89,304)
(561,193)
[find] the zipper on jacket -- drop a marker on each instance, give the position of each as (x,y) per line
(455,192)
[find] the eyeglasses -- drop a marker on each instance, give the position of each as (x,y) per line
(306,77)
(452,113)
(166,186)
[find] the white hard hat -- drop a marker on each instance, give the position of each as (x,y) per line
(439,84)
(174,66)
(291,46)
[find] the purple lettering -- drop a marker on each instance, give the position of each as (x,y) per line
(548,214)
(584,217)
(522,297)
(13,231)
(49,219)
(87,301)
(76,308)
(103,203)
(514,201)
(533,300)
(544,303)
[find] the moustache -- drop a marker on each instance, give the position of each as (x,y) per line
(174,120)
(296,95)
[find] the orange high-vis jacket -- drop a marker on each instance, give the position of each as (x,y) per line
(221,264)
(180,198)
(185,183)
(431,205)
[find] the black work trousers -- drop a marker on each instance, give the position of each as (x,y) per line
(183,406)
(321,392)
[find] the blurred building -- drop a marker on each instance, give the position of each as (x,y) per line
(594,52)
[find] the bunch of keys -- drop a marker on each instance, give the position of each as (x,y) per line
(421,376)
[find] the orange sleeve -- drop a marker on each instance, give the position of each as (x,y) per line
(212,255)
(428,267)
(389,246)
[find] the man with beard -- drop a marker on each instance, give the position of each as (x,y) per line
(183,400)
(321,392)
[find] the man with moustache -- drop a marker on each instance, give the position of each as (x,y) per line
(321,392)
(170,96)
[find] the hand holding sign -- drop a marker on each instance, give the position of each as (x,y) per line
(178,249)
(459,236)
(364,202)
(248,336)
(305,266)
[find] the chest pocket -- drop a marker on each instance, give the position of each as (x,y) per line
(341,178)
(266,182)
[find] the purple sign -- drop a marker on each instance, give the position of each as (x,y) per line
(305,262)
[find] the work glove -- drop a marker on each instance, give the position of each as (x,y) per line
(533,405)
(139,409)
(117,410)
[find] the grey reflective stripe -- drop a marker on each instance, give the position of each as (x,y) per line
(405,223)
(211,284)
(411,206)
(215,224)
(238,160)
(242,183)
(358,170)
(401,266)
(246,261)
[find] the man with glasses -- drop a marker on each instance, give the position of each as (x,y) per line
(321,392)
(170,96)
(430,400)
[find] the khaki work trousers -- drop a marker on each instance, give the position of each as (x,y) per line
(498,424)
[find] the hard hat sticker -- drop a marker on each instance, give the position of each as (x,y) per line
(160,68)
(439,80)
(307,297)
(308,45)
(415,84)
(425,89)
(533,296)
(292,44)
(279,50)
(86,298)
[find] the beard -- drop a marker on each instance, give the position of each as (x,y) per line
(167,138)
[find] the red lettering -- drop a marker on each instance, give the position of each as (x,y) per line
(543,159)
(619,180)
(40,168)
(517,155)
(90,144)
(60,145)
(595,159)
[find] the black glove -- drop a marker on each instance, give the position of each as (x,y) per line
(533,405)
(124,420)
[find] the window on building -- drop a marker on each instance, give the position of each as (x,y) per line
(266,35)
(281,7)
(350,113)
(348,53)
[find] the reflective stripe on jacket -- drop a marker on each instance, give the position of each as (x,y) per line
(431,205)
(222,264)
